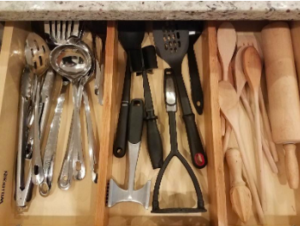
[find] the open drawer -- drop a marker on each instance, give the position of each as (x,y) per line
(85,202)
(77,206)
(176,189)
(282,202)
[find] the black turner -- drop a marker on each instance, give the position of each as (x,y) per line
(172,42)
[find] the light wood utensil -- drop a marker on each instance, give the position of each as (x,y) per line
(226,39)
(283,93)
(252,70)
(295,31)
(240,195)
(267,126)
(228,101)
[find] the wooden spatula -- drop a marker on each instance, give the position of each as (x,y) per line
(253,69)
(240,196)
(228,100)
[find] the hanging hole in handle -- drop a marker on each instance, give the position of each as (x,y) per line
(36,169)
(44,189)
(65,178)
(199,159)
(198,103)
(78,166)
(136,103)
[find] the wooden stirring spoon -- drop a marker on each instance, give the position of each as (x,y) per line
(240,82)
(228,101)
(253,68)
(226,39)
(240,195)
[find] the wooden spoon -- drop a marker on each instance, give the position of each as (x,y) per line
(253,69)
(226,39)
(240,196)
(228,100)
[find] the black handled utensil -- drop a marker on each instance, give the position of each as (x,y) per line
(195,31)
(131,35)
(170,97)
(145,60)
(172,41)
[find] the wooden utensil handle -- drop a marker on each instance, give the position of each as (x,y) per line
(291,164)
(267,126)
(235,165)
(249,178)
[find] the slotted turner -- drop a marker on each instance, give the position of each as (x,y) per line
(172,42)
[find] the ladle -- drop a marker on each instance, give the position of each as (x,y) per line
(72,61)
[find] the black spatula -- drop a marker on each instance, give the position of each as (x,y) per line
(172,42)
(131,35)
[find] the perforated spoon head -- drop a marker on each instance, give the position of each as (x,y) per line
(226,38)
(37,54)
(252,67)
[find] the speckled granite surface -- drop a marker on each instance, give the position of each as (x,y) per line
(149,10)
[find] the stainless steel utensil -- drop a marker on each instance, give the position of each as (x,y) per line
(51,145)
(91,143)
(60,31)
(22,189)
(73,61)
(46,96)
(37,58)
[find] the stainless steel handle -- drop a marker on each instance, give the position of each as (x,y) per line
(78,159)
(90,135)
(37,166)
(50,150)
(65,176)
(46,96)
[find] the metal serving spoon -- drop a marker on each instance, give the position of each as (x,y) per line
(37,58)
(72,61)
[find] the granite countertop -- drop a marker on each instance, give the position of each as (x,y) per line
(143,10)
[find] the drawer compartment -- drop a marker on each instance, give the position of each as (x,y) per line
(77,206)
(282,202)
(85,202)
(174,192)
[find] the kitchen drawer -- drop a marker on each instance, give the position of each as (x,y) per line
(85,202)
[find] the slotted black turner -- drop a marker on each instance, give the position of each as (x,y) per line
(172,42)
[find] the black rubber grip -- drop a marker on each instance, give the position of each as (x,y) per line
(136,116)
(119,148)
(199,157)
(154,142)
(197,92)
(121,135)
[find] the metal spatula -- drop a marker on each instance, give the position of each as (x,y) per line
(172,42)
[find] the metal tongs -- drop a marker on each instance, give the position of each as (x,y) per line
(24,190)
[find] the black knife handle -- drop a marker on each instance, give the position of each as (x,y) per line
(199,157)
(136,119)
(119,148)
(197,92)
